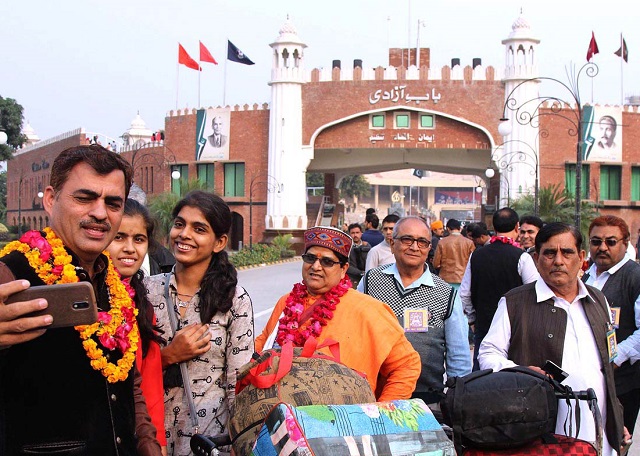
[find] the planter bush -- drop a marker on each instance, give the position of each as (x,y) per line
(261,253)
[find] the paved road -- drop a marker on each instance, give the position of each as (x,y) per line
(266,285)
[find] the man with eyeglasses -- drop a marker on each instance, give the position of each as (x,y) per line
(618,276)
(560,319)
(426,306)
(326,307)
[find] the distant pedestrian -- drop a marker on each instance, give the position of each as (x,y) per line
(371,234)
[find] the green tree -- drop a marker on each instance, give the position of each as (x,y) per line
(355,185)
(556,204)
(315,180)
(11,122)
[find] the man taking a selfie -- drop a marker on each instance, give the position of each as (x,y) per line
(85,374)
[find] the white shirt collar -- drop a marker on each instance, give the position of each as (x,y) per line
(425,279)
(592,271)
(543,292)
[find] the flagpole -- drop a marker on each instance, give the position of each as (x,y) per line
(199,73)
(409,36)
(177,83)
(224,84)
(621,70)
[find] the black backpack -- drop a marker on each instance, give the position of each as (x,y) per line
(497,410)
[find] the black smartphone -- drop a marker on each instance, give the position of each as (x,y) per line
(555,371)
(70,304)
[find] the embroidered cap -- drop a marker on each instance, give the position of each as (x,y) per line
(437,225)
(328,237)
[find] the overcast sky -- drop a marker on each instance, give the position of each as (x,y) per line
(95,63)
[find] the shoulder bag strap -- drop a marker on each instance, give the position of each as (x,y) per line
(186,380)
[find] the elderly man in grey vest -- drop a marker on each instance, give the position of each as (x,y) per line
(560,319)
(618,276)
(427,307)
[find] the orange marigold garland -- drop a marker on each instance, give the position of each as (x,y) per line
(116,329)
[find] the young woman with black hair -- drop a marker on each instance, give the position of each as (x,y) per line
(212,316)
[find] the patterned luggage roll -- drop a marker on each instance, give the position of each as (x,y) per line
(403,427)
(313,379)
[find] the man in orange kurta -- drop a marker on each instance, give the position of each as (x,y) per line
(371,339)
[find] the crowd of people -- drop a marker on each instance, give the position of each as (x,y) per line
(160,364)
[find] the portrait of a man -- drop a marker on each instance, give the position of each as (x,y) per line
(604,134)
(608,127)
(217,139)
(212,134)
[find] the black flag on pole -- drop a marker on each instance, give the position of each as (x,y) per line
(236,55)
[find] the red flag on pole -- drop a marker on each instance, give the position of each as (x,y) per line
(205,55)
(623,51)
(593,47)
(186,60)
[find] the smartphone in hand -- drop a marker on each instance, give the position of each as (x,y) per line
(555,371)
(70,304)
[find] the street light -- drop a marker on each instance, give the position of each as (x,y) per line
(272,186)
(20,205)
(140,156)
(508,160)
(529,112)
(3,137)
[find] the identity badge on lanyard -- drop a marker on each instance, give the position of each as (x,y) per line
(416,320)
(615,317)
(612,344)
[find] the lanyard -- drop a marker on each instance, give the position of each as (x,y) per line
(186,380)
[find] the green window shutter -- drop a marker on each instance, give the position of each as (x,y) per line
(426,121)
(570,178)
(234,179)
(205,175)
(635,183)
(610,182)
(377,120)
(239,179)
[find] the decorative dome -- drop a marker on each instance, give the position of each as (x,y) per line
(521,30)
(520,23)
(30,133)
(288,34)
(137,131)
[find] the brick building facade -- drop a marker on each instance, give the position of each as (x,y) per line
(353,120)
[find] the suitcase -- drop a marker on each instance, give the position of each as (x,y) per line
(297,376)
(551,445)
(554,444)
(402,427)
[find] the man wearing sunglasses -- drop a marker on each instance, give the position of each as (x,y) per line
(427,307)
(618,276)
(326,307)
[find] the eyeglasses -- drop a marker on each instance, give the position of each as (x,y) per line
(408,241)
(611,242)
(324,262)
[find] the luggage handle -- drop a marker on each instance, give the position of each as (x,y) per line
(258,380)
(311,345)
(268,380)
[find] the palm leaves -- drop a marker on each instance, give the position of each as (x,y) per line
(556,204)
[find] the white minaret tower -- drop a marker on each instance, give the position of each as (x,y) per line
(287,208)
(521,64)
